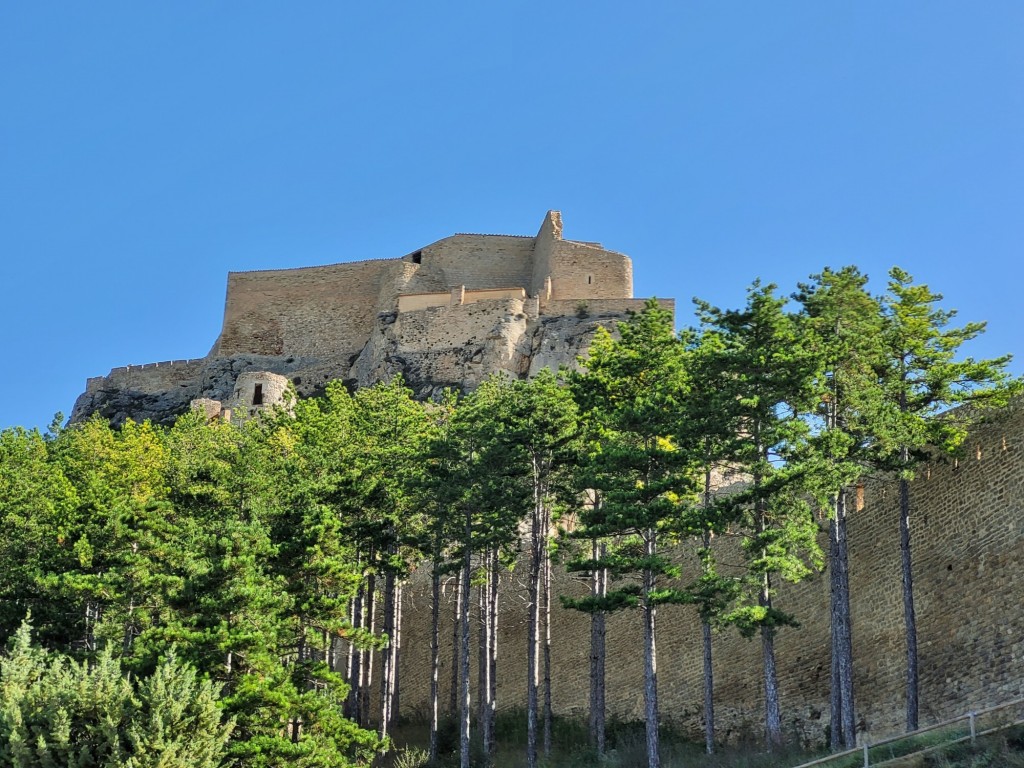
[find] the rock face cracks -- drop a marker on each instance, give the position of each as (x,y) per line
(447,315)
(497,339)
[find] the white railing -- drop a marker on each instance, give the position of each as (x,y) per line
(967,727)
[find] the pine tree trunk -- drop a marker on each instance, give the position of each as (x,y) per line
(709,670)
(466,702)
(435,653)
(484,655)
(598,588)
(493,672)
(453,699)
(532,624)
(909,617)
(842,640)
(835,699)
(387,655)
(546,607)
(366,664)
(650,663)
(354,661)
(396,681)
(772,708)
(709,690)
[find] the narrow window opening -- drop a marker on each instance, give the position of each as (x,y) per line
(417,258)
(590,279)
(257,395)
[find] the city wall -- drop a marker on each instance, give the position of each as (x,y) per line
(332,310)
(482,261)
(150,377)
(580,270)
(968,546)
(303,312)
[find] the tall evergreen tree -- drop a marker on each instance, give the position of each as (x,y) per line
(842,323)
(635,387)
(924,381)
(765,377)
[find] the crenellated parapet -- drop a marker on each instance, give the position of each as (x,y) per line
(447,314)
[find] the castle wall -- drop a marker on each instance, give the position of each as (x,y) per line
(483,261)
(149,378)
(303,312)
(579,270)
(968,545)
(548,237)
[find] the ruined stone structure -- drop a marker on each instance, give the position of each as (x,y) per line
(968,545)
(446,315)
(459,309)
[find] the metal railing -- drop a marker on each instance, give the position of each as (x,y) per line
(967,727)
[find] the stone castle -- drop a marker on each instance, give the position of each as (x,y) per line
(468,305)
(446,315)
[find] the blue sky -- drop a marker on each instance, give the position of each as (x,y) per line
(146,149)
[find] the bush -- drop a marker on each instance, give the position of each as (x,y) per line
(56,711)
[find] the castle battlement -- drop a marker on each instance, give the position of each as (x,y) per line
(496,298)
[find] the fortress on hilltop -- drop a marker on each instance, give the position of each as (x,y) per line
(446,315)
(455,311)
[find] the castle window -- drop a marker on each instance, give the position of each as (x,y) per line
(417,258)
(257,395)
(590,279)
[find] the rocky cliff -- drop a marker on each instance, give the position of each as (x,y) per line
(432,349)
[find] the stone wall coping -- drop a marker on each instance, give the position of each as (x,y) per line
(358,262)
(469,291)
(157,365)
(593,247)
(484,234)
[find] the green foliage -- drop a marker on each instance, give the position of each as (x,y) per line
(56,711)
(762,373)
(923,381)
(218,565)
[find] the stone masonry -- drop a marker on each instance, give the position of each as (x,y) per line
(968,548)
(446,315)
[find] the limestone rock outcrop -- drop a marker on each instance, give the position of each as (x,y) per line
(446,315)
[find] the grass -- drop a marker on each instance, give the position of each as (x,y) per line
(626,749)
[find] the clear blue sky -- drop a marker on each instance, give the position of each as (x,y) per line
(146,149)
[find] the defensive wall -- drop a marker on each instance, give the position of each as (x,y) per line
(332,309)
(302,312)
(968,548)
(149,377)
(447,314)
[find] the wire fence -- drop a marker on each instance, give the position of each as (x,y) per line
(967,727)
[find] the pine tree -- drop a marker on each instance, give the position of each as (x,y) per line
(924,382)
(764,376)
(841,322)
(635,387)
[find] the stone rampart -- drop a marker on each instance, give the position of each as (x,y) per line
(148,377)
(482,261)
(303,312)
(968,545)
(584,271)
